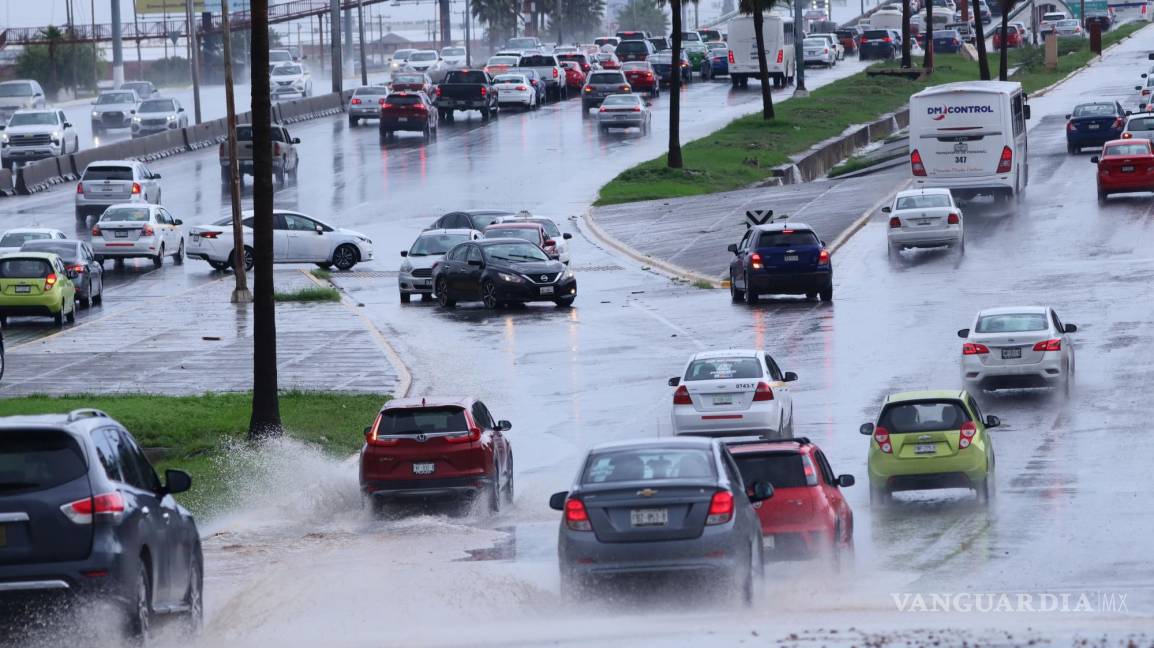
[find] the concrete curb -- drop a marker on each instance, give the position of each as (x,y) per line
(1088,65)
(404,376)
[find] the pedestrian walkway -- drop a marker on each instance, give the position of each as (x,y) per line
(196,342)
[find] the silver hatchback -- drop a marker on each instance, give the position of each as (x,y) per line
(665,505)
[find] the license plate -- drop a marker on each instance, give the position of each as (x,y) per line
(121,234)
(649,517)
(925,222)
(194,238)
(723,400)
(926,448)
(424,468)
(789,257)
(402,119)
(23,289)
(1094,126)
(768,542)
(1127,168)
(1011,354)
(547,290)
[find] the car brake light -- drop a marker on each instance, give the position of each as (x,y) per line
(731,60)
(973,348)
(625,88)
(78,268)
(372,439)
(484,91)
(1049,345)
(554,73)
(808,469)
(887,39)
(953,219)
(522,88)
(966,435)
(763,392)
(649,75)
(681,396)
(882,437)
(438,91)
(895,222)
(135,188)
(49,281)
(1127,135)
(588,88)
(1006,161)
(79,187)
(602,109)
(637,109)
(108,506)
(823,257)
(780,56)
(1118,123)
(146,230)
(387,106)
(1070,126)
(919,169)
(825,51)
(355,101)
(755,261)
(96,230)
(720,508)
(474,434)
(576,517)
(210,234)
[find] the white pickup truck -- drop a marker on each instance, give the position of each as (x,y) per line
(35,135)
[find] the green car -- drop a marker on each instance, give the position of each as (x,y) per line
(930,439)
(698,55)
(36,283)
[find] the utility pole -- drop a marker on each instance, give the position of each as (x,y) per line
(361,36)
(136,26)
(347,50)
(117,46)
(335,55)
(798,51)
(321,34)
(194,57)
(240,294)
(95,51)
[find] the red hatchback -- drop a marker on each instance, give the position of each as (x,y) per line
(641,77)
(1125,166)
(1013,38)
(807,514)
(574,77)
(437,448)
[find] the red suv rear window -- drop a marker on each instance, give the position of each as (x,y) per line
(423,421)
(782,469)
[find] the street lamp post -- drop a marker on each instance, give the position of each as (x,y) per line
(241,293)
(361,36)
(194,58)
(798,51)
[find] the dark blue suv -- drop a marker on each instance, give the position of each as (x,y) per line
(782,259)
(84,518)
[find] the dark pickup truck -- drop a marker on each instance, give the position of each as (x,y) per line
(466,90)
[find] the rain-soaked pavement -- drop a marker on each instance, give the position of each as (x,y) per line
(305,565)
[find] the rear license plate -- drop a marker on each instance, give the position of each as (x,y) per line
(23,289)
(925,222)
(723,400)
(195,238)
(789,257)
(1094,126)
(1127,168)
(424,468)
(1011,354)
(402,119)
(121,234)
(649,517)
(547,290)
(926,448)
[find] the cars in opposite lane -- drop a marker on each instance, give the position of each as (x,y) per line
(1018,347)
(416,274)
(559,249)
(730,391)
(497,272)
(158,115)
(113,109)
(32,135)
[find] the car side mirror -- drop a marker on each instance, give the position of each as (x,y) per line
(132,112)
(963,333)
(320,229)
(566,236)
(404,253)
(732,248)
(1070,328)
(156,176)
(674,381)
(181,109)
(296,140)
(992,421)
(1138,87)
(789,376)
(867,429)
(1143,76)
(557,500)
(845,481)
(68,124)
(176,481)
(761,491)
(1094,159)
(177,221)
(886,209)
(1128,113)
(38,94)
(504,426)
(475,262)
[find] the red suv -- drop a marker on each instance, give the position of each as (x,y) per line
(807,514)
(437,448)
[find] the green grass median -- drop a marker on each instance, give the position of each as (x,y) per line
(199,433)
(744,151)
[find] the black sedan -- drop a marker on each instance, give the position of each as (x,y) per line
(500,272)
(78,256)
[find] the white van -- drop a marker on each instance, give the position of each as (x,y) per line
(779,50)
(886,19)
(970,137)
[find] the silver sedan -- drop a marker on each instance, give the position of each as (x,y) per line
(624,111)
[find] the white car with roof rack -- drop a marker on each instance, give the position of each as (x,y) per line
(110,182)
(731,392)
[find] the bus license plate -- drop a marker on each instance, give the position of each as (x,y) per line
(790,257)
(649,517)
(424,468)
(1012,354)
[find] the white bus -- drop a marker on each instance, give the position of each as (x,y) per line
(779,50)
(970,137)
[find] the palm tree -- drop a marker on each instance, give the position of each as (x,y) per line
(928,62)
(265,421)
(673,158)
(906,44)
(757,7)
(500,17)
(1004,62)
(980,43)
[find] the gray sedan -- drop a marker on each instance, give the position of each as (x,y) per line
(624,111)
(659,506)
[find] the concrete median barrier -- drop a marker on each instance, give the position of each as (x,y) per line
(6,187)
(819,159)
(38,176)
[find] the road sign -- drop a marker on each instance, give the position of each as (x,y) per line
(177,7)
(758,216)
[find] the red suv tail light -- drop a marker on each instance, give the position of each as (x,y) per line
(105,507)
(1006,162)
(882,437)
(136,188)
(474,434)
(973,348)
(681,396)
(763,392)
(576,517)
(720,508)
(1049,345)
(919,169)
(966,435)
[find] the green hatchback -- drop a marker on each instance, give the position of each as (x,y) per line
(36,283)
(930,439)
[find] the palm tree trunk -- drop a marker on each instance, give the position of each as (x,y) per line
(980,36)
(928,62)
(762,67)
(673,159)
(1004,62)
(265,421)
(906,44)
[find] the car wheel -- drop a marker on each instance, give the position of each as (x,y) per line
(353,121)
(405,297)
(194,599)
(1070,148)
(158,260)
(345,257)
(827,294)
(1102,196)
(746,579)
(219,266)
(385,136)
(493,492)
(179,258)
(58,318)
(735,294)
(86,300)
(750,295)
(139,610)
(249,259)
(573,586)
(280,175)
(443,297)
(985,490)
(509,492)
(71,316)
(489,295)
(810,296)
(98,298)
(81,216)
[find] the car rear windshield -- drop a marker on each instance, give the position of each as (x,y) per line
(502,60)
(1012,323)
(644,464)
(925,201)
(511,78)
(432,244)
(472,76)
(16,90)
(531,234)
(403,100)
(33,119)
(397,78)
(1095,110)
(157,106)
(876,33)
(816,42)
(1141,147)
(537,61)
(637,65)
(787,238)
(16,239)
(125,214)
(1140,125)
(108,173)
(514,253)
(781,469)
(425,420)
(32,460)
(946,33)
(723,369)
(923,416)
(65,249)
(580,58)
(18,268)
(632,46)
(622,100)
(606,78)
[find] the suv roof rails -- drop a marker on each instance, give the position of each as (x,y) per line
(85,412)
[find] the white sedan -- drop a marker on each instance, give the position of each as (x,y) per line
(1020,346)
(925,218)
(14,239)
(291,79)
(733,391)
(133,230)
(514,89)
(296,239)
